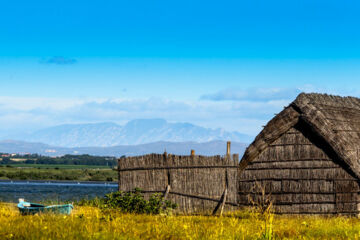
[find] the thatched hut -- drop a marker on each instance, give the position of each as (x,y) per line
(306,159)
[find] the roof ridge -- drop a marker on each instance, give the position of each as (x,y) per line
(316,119)
(315,94)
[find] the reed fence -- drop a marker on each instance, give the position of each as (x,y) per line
(198,184)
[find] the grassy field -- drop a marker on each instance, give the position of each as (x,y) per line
(60,166)
(12,173)
(92,223)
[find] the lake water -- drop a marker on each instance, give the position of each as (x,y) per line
(34,191)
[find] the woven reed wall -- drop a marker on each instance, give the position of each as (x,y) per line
(301,175)
(197,183)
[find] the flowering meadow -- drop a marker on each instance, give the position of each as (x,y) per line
(93,223)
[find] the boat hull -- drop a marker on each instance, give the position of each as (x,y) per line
(33,208)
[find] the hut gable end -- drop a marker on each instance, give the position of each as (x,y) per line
(306,158)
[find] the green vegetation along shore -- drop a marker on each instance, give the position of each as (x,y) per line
(55,166)
(85,159)
(87,173)
(68,167)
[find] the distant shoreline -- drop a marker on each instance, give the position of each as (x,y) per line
(57,174)
(109,183)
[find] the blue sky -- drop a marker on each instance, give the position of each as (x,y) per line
(229,64)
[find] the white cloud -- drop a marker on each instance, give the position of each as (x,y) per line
(272,94)
(253,94)
(29,103)
(241,110)
(35,113)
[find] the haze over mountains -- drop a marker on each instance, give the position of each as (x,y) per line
(139,136)
(181,148)
(140,131)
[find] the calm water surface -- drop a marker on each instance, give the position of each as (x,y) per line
(34,191)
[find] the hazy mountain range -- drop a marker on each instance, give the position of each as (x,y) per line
(137,137)
(135,132)
(182,148)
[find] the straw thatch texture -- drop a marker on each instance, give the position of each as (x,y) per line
(306,158)
(197,183)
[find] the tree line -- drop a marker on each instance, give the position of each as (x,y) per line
(68,159)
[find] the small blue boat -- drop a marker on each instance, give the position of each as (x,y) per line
(27,208)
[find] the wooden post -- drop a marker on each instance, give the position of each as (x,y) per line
(223,202)
(167,190)
(226,183)
(228,148)
(192,152)
(119,175)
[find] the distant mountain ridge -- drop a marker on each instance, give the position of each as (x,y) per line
(181,148)
(135,132)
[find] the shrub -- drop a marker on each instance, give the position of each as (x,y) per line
(132,202)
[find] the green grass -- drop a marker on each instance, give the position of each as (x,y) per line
(60,166)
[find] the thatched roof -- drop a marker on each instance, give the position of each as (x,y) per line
(334,119)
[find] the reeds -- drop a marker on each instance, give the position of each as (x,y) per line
(92,223)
